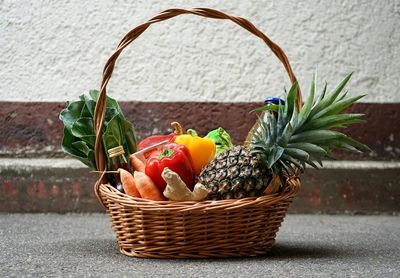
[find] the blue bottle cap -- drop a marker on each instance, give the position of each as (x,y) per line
(274,100)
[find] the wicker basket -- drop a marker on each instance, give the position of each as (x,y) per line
(226,228)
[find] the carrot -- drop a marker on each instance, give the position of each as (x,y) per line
(128,183)
(147,188)
(136,163)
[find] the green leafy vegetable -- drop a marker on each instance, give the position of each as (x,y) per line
(79,135)
(221,138)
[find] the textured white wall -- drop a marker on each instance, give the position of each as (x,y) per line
(55,50)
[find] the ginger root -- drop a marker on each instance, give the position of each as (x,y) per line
(177,190)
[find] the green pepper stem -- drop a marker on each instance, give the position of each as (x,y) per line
(165,153)
(192,132)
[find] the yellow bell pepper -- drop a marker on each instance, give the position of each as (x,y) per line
(201,149)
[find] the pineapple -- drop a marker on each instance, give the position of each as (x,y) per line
(282,142)
(235,174)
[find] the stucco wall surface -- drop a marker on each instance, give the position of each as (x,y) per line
(55,50)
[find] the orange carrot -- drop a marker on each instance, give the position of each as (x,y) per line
(147,188)
(136,163)
(128,183)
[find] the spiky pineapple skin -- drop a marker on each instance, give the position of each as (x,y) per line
(235,174)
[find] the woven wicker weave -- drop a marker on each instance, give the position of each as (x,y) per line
(226,228)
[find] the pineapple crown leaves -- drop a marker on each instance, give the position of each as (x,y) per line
(288,138)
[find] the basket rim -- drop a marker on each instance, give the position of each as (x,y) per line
(107,191)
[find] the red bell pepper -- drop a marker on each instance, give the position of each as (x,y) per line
(175,157)
(152,140)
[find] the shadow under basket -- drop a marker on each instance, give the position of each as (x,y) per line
(226,228)
(165,229)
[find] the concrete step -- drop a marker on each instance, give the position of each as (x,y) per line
(66,185)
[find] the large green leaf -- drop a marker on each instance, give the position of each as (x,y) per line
(112,136)
(110,102)
(90,105)
(110,113)
(70,114)
(83,127)
(67,144)
(119,132)
(130,136)
(82,147)
(90,140)
(72,146)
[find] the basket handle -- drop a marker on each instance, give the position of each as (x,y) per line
(136,32)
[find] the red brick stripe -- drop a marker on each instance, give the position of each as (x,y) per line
(32,128)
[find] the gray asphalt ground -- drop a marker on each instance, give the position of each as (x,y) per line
(43,245)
